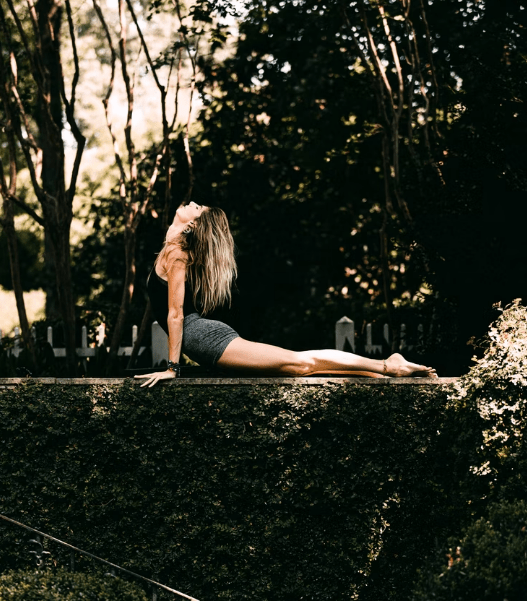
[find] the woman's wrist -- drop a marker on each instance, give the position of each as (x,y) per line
(175,367)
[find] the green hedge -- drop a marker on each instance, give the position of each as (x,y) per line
(282,492)
(60,585)
(488,562)
(223,492)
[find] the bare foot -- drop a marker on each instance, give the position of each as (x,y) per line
(398,367)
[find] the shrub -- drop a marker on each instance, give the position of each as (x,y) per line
(60,585)
(496,387)
(237,492)
(488,562)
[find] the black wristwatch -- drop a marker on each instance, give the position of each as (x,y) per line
(175,367)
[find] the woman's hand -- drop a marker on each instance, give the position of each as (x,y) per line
(153,379)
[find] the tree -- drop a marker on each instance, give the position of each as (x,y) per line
(134,195)
(459,72)
(38,129)
(364,118)
(289,148)
(40,140)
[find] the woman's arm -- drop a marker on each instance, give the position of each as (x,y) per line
(175,270)
(173,264)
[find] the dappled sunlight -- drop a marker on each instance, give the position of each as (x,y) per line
(35,306)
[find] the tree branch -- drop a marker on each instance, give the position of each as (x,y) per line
(145,47)
(178,87)
(39,76)
(30,55)
(431,70)
(13,125)
(193,62)
(129,85)
(379,67)
(70,107)
(395,56)
(378,75)
(397,112)
(166,128)
(8,192)
(106,103)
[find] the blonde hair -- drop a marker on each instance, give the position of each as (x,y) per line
(211,266)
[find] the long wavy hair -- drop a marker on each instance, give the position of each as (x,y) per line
(211,266)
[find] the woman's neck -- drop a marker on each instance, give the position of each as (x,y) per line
(174,231)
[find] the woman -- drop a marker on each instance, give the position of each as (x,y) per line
(192,276)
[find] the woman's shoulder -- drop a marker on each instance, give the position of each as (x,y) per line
(174,250)
(173,257)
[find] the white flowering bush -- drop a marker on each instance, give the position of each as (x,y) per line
(496,385)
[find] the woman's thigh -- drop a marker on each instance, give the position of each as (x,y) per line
(244,354)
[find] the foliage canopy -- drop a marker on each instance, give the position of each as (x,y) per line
(371,159)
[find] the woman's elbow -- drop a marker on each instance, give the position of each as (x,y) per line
(175,317)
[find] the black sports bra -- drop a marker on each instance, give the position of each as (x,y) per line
(158,292)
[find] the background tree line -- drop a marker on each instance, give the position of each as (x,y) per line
(370,156)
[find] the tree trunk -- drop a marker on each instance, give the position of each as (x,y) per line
(57,215)
(126,299)
(145,322)
(8,223)
(61,251)
(50,285)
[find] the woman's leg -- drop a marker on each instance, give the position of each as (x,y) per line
(243,354)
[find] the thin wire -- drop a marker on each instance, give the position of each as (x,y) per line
(113,565)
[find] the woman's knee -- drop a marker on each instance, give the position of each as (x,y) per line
(301,364)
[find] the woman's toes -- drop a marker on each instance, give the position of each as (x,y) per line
(398,366)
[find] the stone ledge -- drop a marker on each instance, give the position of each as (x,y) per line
(247,381)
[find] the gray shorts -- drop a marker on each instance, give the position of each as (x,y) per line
(205,340)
